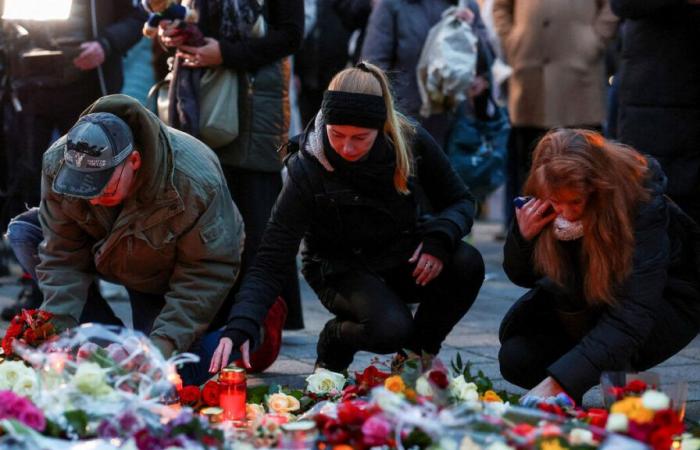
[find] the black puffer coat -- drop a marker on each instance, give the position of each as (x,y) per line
(666,270)
(659,111)
(344,228)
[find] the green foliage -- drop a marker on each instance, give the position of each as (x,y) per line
(77,421)
(257,394)
(417,438)
(482,382)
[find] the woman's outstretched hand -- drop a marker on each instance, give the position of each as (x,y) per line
(533,217)
(547,388)
(223,352)
(427,268)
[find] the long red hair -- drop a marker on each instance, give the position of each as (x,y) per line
(612,175)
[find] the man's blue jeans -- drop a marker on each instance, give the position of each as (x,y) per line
(24,235)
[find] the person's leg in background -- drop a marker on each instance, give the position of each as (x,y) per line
(24,236)
(255,194)
(521,143)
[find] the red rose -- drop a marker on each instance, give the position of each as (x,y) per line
(335,432)
(371,377)
(639,431)
(523,429)
(189,395)
(617,392)
(351,413)
(661,439)
(438,378)
(669,420)
(635,387)
(353,391)
(597,417)
(210,393)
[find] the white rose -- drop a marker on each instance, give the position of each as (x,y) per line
(579,436)
(690,443)
(655,400)
(10,372)
(27,384)
(423,387)
(282,403)
(463,391)
(90,379)
(617,423)
(499,446)
(324,381)
(253,411)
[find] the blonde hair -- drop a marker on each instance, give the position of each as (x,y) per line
(612,175)
(398,129)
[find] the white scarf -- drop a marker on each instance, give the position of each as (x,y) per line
(567,231)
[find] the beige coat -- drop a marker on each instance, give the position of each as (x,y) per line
(556,50)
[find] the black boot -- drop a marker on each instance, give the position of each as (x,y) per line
(29,297)
(332,353)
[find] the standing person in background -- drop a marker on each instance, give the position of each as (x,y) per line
(101,33)
(250,163)
(323,54)
(659,90)
(556,50)
(396,32)
(355,14)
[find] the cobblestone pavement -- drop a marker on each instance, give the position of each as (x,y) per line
(475,337)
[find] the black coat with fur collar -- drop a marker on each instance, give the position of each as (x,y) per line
(344,229)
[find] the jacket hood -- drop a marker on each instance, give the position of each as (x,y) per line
(657,180)
(150,139)
(313,144)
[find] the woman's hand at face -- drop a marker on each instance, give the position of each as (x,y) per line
(221,355)
(533,217)
(427,268)
(208,55)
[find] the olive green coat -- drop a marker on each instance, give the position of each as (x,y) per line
(179,235)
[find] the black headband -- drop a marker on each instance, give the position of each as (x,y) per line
(349,108)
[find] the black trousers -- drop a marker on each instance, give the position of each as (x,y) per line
(29,134)
(255,194)
(372,312)
(539,339)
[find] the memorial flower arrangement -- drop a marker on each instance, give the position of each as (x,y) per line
(111,387)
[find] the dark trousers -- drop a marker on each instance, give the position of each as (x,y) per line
(255,194)
(538,340)
(372,312)
(46,111)
(521,143)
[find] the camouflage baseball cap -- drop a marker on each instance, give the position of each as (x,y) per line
(95,146)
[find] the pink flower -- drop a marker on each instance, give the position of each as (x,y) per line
(33,418)
(375,431)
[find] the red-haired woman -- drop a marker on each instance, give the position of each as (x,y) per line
(612,265)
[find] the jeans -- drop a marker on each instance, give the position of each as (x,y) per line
(25,235)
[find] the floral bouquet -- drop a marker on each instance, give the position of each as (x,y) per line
(31,327)
(644,413)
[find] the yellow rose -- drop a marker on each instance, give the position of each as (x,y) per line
(491,396)
(551,444)
(282,403)
(632,407)
(394,384)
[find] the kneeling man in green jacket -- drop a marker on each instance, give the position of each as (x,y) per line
(130,200)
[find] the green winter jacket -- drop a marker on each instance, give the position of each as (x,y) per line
(180,235)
